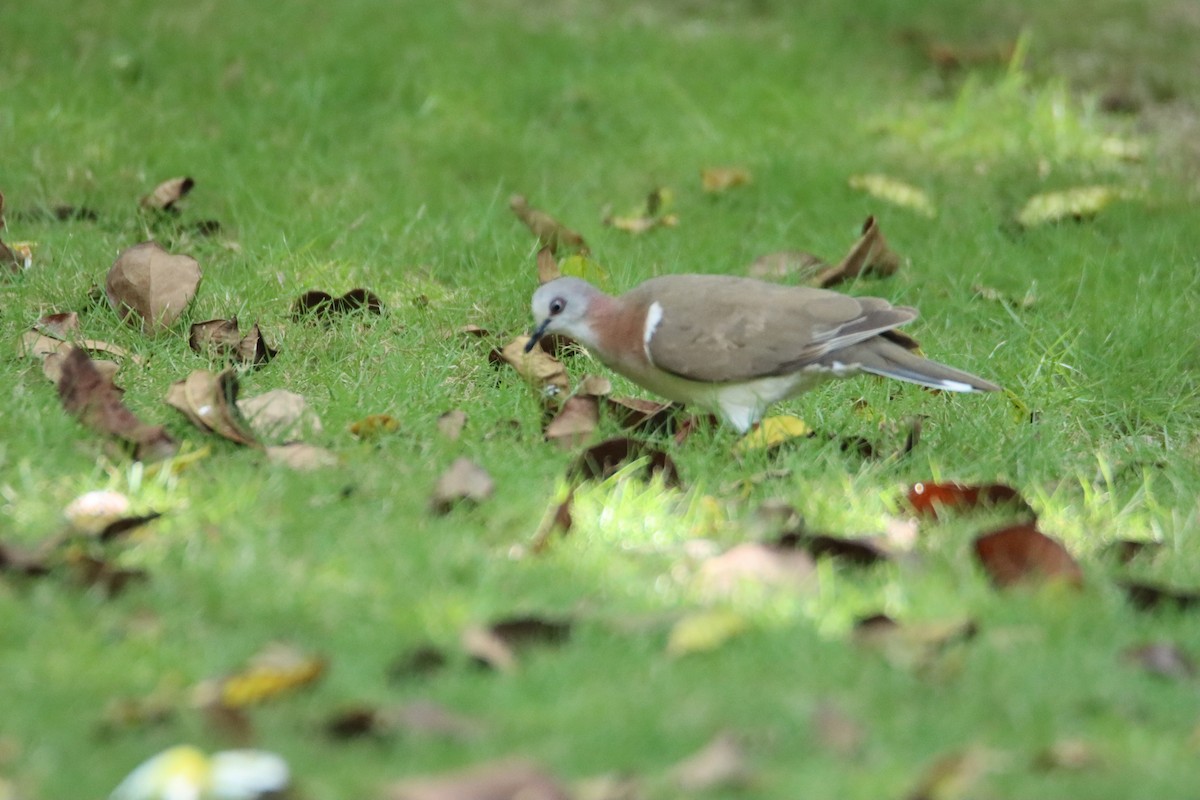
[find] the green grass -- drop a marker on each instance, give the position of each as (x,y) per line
(375,144)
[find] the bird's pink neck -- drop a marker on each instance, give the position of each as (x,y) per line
(618,329)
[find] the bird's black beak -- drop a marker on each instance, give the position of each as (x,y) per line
(537,335)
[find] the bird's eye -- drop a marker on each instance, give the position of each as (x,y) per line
(556,306)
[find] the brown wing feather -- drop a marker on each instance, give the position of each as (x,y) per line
(718,328)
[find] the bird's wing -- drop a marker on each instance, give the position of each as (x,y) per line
(722,328)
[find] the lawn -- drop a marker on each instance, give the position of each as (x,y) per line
(371,145)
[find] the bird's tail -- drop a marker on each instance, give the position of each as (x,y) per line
(880,356)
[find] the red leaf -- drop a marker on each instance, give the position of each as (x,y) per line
(1023,553)
(928,499)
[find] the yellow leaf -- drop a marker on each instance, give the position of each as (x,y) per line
(1079,203)
(589,269)
(895,192)
(772,432)
(374,426)
(704,631)
(718,179)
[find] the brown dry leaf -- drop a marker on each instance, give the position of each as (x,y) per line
(552,235)
(464,480)
(1021,553)
(418,662)
(473,331)
(323,306)
(915,644)
(504,780)
(556,520)
(609,786)
(92,572)
(794,265)
(301,456)
(30,563)
(253,348)
(636,413)
(547,266)
(653,214)
(756,564)
(150,286)
(167,194)
(575,422)
(870,255)
(53,336)
(1165,659)
(953,776)
(594,386)
(210,402)
(63,325)
(1067,754)
(602,460)
(720,764)
(496,645)
(720,179)
(537,366)
(280,416)
(451,424)
(860,552)
(373,426)
(221,338)
(96,402)
(420,719)
(932,499)
(996,296)
(837,731)
(1148,597)
(276,670)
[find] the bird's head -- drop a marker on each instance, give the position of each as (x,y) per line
(562,306)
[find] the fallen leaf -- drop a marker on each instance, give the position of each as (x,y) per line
(582,266)
(419,662)
(870,255)
(1165,659)
(720,764)
(1067,754)
(221,338)
(755,564)
(594,386)
(92,512)
(187,772)
(636,413)
(704,631)
(301,456)
(210,402)
(19,561)
(537,367)
(793,265)
(464,480)
(1148,597)
(771,433)
(496,645)
(913,644)
(575,422)
(836,731)
(94,572)
(610,786)
(547,266)
(1021,553)
(896,192)
(419,719)
(323,306)
(953,776)
(355,722)
(931,499)
(167,194)
(860,552)
(505,780)
(996,296)
(653,214)
(279,416)
(373,426)
(474,331)
(1077,204)
(146,284)
(603,460)
(552,235)
(720,179)
(276,670)
(1127,550)
(63,325)
(451,424)
(556,520)
(96,402)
